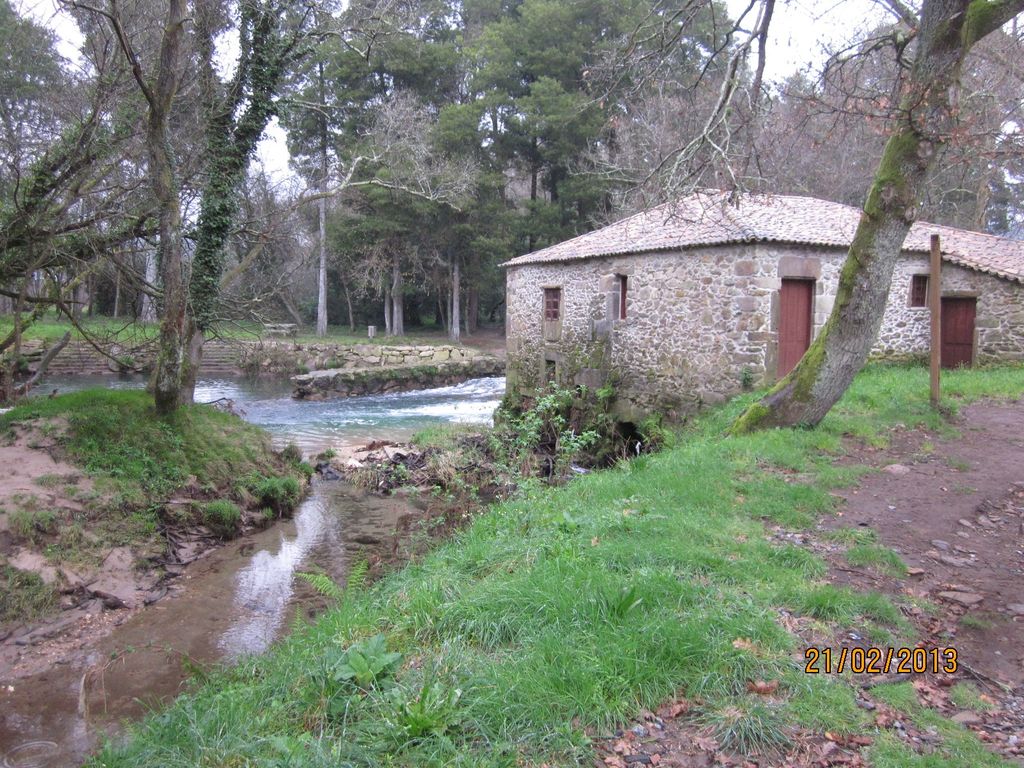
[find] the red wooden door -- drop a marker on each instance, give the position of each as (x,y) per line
(958,331)
(795,301)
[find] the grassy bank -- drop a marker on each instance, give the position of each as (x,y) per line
(555,616)
(128,465)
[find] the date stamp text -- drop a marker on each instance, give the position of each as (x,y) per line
(879,661)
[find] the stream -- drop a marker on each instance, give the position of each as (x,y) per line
(236,600)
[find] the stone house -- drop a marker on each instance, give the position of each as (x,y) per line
(688,303)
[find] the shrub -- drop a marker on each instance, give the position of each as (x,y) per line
(223,517)
(292,453)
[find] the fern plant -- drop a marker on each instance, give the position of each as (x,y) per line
(323,584)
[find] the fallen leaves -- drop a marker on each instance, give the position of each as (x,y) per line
(763,687)
(745,644)
(673,709)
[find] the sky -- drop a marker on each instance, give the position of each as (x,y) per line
(802,33)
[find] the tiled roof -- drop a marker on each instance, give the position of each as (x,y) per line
(708,218)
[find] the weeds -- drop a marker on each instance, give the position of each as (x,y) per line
(429,710)
(749,727)
(32,525)
(279,494)
(23,595)
(223,517)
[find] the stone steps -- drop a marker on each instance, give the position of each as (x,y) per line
(80,359)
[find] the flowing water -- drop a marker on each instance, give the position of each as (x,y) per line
(238,599)
(339,423)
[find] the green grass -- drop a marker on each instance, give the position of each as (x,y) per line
(32,524)
(444,436)
(51,330)
(967,696)
(23,595)
(223,517)
(566,611)
(116,436)
(876,557)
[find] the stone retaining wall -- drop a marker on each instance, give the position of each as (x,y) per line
(347,382)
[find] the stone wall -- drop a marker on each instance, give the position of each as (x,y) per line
(289,357)
(347,382)
(999,325)
(703,323)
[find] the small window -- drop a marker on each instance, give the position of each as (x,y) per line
(621,279)
(550,371)
(919,291)
(552,303)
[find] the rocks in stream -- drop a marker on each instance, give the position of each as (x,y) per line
(327,471)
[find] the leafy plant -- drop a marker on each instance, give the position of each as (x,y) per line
(747,379)
(654,435)
(619,604)
(367,663)
(291,453)
(432,710)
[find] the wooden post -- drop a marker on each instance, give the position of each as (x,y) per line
(935,305)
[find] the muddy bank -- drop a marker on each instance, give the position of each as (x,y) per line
(230,602)
(73,542)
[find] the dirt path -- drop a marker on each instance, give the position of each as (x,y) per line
(954,508)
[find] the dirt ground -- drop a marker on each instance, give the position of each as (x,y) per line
(956,514)
(34,477)
(952,507)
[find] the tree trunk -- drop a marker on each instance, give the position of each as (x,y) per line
(147,313)
(117,293)
(321,302)
(926,116)
(23,389)
(454,332)
(321,283)
(397,297)
(348,304)
(290,308)
(387,310)
(192,364)
(167,377)
(14,347)
(79,298)
(472,311)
